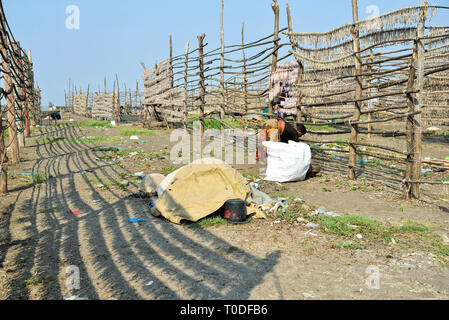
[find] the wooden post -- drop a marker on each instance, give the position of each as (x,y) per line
(417,136)
(274,62)
(300,69)
(245,76)
(202,84)
(370,79)
(118,90)
(9,95)
(358,92)
(186,68)
(24,95)
(87,102)
(136,107)
(410,127)
(223,97)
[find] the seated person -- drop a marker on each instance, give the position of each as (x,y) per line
(286,130)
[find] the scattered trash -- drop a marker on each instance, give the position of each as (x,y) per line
(113,123)
(277,221)
(312,225)
(425,171)
(124,183)
(139,174)
(393,241)
(308,295)
(134,220)
(71,120)
(352,226)
(75,212)
(134,138)
(75,298)
(259,197)
(359,236)
(143,142)
(109,149)
(299,200)
(276,207)
(310,233)
(322,211)
(150,283)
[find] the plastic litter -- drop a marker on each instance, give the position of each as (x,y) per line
(74,212)
(139,174)
(259,197)
(299,200)
(322,211)
(312,225)
(75,298)
(134,138)
(134,220)
(149,283)
(359,236)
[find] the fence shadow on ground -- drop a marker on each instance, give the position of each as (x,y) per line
(116,259)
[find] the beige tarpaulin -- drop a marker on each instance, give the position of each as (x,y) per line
(198,190)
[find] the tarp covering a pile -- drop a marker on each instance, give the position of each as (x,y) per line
(198,190)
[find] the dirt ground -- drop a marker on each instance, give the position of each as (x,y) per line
(264,259)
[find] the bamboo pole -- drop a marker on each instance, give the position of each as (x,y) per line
(186,68)
(358,93)
(202,84)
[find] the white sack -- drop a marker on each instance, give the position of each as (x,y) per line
(287,162)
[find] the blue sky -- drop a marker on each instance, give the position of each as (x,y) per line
(114,36)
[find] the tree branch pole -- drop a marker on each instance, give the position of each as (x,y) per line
(409,128)
(245,76)
(358,93)
(202,84)
(274,61)
(186,68)
(417,136)
(223,97)
(300,69)
(11,114)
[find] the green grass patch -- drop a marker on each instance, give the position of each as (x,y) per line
(284,195)
(169,169)
(209,222)
(322,128)
(38,178)
(137,132)
(95,124)
(250,175)
(348,245)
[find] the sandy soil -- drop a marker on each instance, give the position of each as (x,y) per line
(264,259)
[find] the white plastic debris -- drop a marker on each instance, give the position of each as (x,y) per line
(150,283)
(359,236)
(312,225)
(139,174)
(134,138)
(75,298)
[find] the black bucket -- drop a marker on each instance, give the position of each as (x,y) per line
(235,211)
